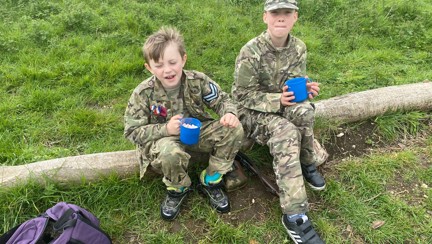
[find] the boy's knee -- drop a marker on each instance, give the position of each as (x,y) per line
(285,135)
(235,133)
(238,131)
(174,159)
(168,146)
(171,151)
(302,115)
(284,128)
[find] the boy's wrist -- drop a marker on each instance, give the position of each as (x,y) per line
(164,130)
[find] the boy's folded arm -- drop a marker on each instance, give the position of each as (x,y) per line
(266,102)
(226,106)
(247,86)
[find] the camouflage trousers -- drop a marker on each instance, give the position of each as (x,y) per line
(289,137)
(170,156)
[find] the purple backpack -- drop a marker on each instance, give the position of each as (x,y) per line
(63,223)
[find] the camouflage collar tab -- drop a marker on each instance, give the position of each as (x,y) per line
(278,4)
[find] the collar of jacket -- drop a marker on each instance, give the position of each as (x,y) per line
(266,36)
(159,90)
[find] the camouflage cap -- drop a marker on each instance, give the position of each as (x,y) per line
(278,4)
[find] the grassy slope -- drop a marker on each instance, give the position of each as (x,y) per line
(68,68)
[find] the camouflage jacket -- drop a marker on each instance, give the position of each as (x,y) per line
(149,109)
(262,69)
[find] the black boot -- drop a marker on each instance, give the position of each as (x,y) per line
(170,207)
(301,231)
(214,191)
(313,177)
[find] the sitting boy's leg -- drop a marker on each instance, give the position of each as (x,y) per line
(284,145)
(321,153)
(308,159)
(223,144)
(302,116)
(172,160)
(212,187)
(283,140)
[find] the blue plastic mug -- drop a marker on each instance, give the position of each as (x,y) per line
(189,136)
(298,86)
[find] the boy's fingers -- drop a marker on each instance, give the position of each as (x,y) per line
(223,121)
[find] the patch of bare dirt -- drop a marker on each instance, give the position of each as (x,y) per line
(353,141)
(251,203)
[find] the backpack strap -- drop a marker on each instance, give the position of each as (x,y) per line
(63,221)
(67,220)
(6,236)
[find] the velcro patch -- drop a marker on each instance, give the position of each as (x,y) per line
(213,93)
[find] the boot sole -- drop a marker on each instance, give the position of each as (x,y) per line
(316,188)
(170,218)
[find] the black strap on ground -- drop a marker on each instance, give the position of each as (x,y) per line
(250,165)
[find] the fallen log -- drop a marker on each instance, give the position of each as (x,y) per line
(360,106)
(347,108)
(72,169)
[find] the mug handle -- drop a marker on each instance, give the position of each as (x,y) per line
(309,80)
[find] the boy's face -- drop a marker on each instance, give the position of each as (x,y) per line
(169,68)
(280,22)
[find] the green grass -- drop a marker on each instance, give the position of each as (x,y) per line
(68,68)
(379,188)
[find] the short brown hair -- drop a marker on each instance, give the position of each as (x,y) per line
(156,43)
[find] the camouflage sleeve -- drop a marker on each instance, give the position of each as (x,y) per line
(216,99)
(247,87)
(137,123)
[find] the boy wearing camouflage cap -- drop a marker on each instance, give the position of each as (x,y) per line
(269,116)
(152,122)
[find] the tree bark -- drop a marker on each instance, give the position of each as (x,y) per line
(371,103)
(72,169)
(347,108)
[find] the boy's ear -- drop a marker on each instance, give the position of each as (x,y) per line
(147,66)
(184,59)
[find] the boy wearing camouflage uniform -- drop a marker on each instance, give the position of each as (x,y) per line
(152,122)
(270,118)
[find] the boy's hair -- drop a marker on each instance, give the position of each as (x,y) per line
(155,45)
